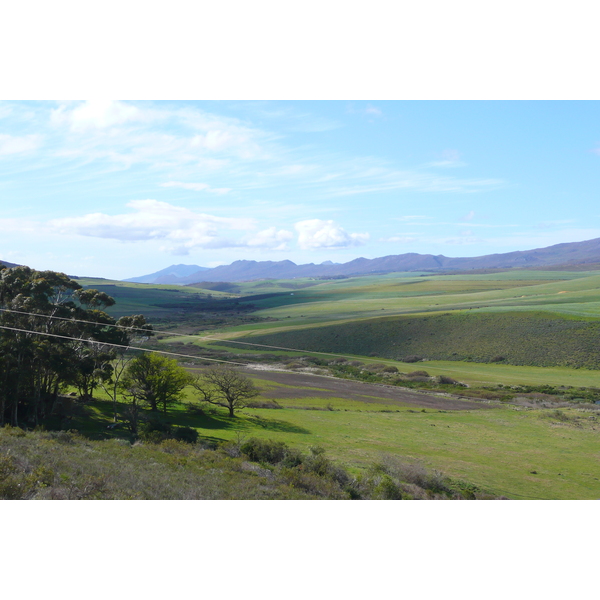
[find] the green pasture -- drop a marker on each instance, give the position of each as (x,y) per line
(507,449)
(431,294)
(153,301)
(497,447)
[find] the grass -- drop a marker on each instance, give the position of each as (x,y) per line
(510,450)
(543,339)
(495,448)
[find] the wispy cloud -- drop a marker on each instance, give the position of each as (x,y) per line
(196,187)
(448,158)
(95,114)
(412,218)
(10,144)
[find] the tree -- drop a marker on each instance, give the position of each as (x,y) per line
(224,386)
(155,380)
(53,333)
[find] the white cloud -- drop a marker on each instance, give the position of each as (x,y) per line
(181,229)
(469,216)
(196,187)
(154,220)
(373,111)
(315,233)
(10,144)
(96,114)
(270,238)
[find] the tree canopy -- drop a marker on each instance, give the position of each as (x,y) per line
(53,333)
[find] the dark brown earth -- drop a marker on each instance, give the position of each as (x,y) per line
(305,385)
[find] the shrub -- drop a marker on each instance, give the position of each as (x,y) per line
(412,358)
(264,450)
(418,374)
(264,404)
(447,380)
(387,490)
(186,434)
(313,484)
(390,369)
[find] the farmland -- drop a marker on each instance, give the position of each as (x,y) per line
(485,330)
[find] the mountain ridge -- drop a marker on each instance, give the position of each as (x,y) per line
(170,274)
(8,264)
(584,252)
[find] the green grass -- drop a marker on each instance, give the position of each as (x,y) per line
(523,338)
(495,448)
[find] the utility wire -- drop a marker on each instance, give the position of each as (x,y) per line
(66,337)
(195,336)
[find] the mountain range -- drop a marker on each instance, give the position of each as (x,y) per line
(573,253)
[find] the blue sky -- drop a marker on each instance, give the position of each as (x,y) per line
(122,188)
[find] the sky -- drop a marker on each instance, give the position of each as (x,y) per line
(118,189)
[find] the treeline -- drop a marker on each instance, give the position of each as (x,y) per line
(54,334)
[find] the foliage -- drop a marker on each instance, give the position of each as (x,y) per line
(518,338)
(53,334)
(155,380)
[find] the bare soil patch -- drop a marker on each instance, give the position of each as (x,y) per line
(303,385)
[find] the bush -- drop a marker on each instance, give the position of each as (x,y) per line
(186,434)
(390,369)
(264,450)
(418,374)
(447,380)
(264,404)
(387,490)
(412,358)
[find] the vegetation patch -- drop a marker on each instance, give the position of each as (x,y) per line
(520,338)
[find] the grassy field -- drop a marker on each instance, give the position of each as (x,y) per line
(508,450)
(459,323)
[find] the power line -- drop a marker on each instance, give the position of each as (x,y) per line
(195,336)
(66,337)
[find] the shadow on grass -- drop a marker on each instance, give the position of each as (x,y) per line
(95,418)
(275,425)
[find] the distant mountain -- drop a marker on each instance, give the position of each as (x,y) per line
(7,264)
(574,253)
(172,274)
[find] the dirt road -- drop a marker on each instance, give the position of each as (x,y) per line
(305,385)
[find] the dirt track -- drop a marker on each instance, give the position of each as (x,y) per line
(305,385)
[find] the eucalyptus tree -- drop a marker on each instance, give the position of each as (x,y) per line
(53,333)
